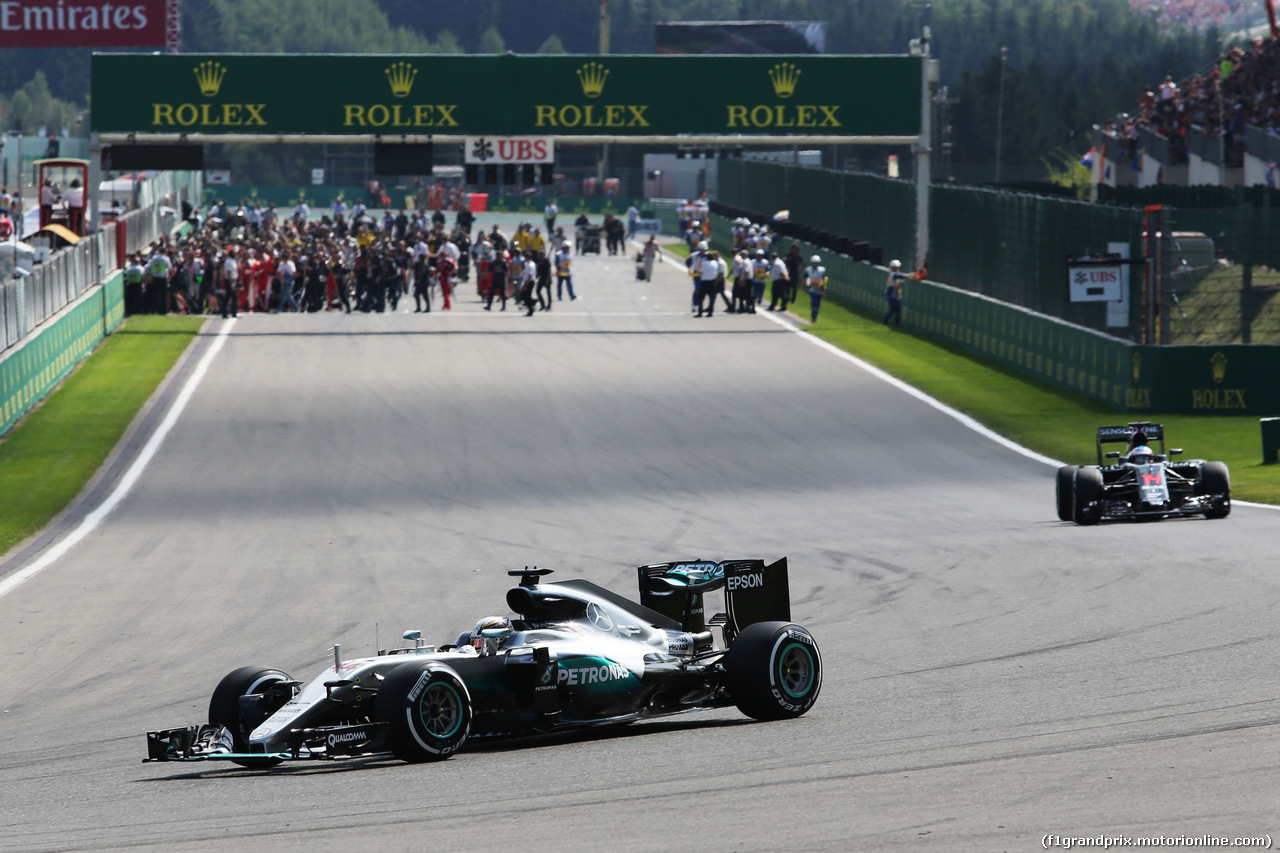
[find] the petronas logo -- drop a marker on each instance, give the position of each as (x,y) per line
(592,77)
(784,75)
(209,76)
(401,76)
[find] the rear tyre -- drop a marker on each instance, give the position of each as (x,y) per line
(1215,480)
(1066,480)
(428,709)
(243,700)
(1087,491)
(774,671)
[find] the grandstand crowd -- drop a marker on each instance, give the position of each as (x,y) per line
(1241,89)
(1198,14)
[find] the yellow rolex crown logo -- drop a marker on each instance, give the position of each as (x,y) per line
(784,75)
(592,76)
(401,76)
(1219,365)
(209,76)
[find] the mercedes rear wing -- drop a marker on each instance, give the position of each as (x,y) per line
(753,592)
(1131,435)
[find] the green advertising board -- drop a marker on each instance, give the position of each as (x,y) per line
(447,95)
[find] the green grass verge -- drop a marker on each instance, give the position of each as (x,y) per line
(1036,415)
(46,460)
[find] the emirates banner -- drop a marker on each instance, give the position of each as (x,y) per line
(65,23)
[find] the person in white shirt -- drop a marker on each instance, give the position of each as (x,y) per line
(712,281)
(549,213)
(781,283)
(815,280)
(73,198)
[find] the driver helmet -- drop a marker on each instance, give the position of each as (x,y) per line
(895,265)
(496,628)
(702,245)
(1141,455)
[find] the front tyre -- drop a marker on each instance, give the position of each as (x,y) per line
(1065,491)
(428,709)
(1087,490)
(243,700)
(1215,481)
(774,670)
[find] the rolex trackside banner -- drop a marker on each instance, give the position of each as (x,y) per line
(507,96)
(66,23)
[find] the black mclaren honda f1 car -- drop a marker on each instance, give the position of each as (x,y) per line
(1143,483)
(573,655)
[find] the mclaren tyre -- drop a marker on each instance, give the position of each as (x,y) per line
(1215,480)
(1066,481)
(428,710)
(1087,491)
(243,700)
(774,670)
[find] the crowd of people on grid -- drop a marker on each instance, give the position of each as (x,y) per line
(753,267)
(251,258)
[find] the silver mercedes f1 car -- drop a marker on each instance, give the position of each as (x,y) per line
(573,655)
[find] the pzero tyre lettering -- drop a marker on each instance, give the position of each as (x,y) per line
(428,709)
(1066,492)
(774,670)
(271,689)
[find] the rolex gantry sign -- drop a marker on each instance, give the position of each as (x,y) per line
(616,96)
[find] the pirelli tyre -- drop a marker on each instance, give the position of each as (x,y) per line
(773,670)
(1087,491)
(1215,480)
(1066,492)
(243,700)
(428,710)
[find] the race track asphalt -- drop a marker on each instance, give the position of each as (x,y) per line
(992,675)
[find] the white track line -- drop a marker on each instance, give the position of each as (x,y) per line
(93,519)
(959,416)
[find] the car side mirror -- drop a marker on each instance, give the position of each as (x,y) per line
(1174,451)
(1114,454)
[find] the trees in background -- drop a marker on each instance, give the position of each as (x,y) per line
(1070,63)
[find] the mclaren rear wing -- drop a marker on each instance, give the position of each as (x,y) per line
(1147,433)
(753,592)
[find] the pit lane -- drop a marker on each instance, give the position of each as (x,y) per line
(991,676)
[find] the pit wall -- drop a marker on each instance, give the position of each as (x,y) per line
(1130,378)
(34,367)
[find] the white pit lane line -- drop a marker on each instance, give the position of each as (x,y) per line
(958,416)
(94,519)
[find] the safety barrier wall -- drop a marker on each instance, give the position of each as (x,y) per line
(32,369)
(52,318)
(27,302)
(1131,378)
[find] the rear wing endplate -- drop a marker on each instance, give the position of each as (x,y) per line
(753,592)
